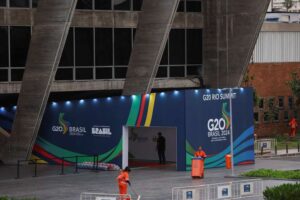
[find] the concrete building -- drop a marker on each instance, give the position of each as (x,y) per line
(275,57)
(284,6)
(126,46)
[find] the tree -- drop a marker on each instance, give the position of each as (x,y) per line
(294,85)
(288,4)
(247,82)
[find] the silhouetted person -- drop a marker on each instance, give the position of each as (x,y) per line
(161,148)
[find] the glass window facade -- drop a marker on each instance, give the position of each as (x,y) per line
(64,74)
(84,48)
(194,46)
(67,58)
(137,4)
(122,4)
(104,73)
(103,4)
(104,46)
(2,3)
(3,75)
(193,5)
(84,4)
(3,46)
(177,46)
(19,3)
(122,45)
(19,45)
(100,53)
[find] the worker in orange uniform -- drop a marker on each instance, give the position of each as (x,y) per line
(123,180)
(201,154)
(293,124)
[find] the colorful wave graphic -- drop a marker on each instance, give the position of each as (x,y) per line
(54,154)
(138,108)
(226,115)
(241,153)
(63,123)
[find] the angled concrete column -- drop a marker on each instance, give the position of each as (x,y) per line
(243,20)
(155,21)
(52,22)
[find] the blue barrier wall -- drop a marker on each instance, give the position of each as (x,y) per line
(94,126)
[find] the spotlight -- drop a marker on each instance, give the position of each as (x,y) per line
(95,100)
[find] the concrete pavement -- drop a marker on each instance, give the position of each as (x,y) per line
(152,183)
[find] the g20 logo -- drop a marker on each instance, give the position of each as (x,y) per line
(216,124)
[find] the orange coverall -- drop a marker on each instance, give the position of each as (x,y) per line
(293,124)
(122,181)
(201,154)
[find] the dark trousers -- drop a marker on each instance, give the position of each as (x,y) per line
(161,156)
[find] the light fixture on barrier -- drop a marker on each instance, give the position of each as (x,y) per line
(147,95)
(207,90)
(54,104)
(81,101)
(162,94)
(15,107)
(68,103)
(196,91)
(176,92)
(108,98)
(219,90)
(2,109)
(242,89)
(122,98)
(133,96)
(95,100)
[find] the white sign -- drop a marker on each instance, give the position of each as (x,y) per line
(101,131)
(224,191)
(246,189)
(106,198)
(190,194)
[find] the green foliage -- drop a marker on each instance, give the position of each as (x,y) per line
(269,173)
(283,192)
(288,4)
(294,84)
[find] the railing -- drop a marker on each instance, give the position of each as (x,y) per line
(104,196)
(267,145)
(64,161)
(270,147)
(250,189)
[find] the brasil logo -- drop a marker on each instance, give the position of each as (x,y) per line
(63,123)
(226,115)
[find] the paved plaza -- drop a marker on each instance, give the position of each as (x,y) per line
(151,183)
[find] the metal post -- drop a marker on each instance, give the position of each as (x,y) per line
(231,133)
(262,150)
(275,149)
(97,163)
(76,164)
(94,161)
(35,168)
(62,166)
(298,147)
(286,148)
(18,170)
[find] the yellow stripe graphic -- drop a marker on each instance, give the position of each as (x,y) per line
(150,109)
(39,161)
